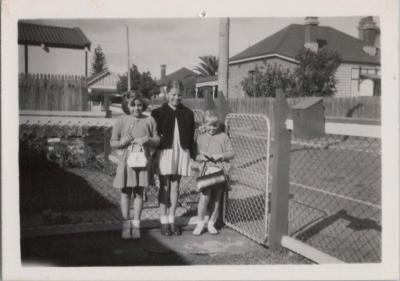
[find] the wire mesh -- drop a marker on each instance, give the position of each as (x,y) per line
(335,196)
(247,199)
(66,181)
(334,200)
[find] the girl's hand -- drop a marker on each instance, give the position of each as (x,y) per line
(218,157)
(142,140)
(201,158)
(125,141)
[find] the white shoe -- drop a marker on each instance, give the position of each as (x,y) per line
(211,228)
(135,228)
(126,229)
(135,232)
(199,228)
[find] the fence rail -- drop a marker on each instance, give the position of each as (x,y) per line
(335,193)
(354,107)
(52,92)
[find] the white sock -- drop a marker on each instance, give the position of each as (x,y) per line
(135,223)
(163,219)
(171,219)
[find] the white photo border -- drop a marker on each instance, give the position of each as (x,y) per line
(386,10)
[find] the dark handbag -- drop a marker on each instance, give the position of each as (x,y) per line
(210,179)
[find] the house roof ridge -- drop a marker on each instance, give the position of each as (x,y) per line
(289,40)
(49,26)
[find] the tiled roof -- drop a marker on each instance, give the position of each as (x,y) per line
(52,36)
(290,40)
(181,74)
(103,81)
(96,76)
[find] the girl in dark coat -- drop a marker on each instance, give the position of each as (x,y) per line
(175,123)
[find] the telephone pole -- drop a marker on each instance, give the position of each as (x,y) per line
(223,63)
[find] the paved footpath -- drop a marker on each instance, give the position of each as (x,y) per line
(108,249)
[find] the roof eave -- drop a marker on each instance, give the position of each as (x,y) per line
(265,56)
(54,45)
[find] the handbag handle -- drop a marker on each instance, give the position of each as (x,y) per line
(133,144)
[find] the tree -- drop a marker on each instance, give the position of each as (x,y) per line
(315,75)
(208,66)
(142,82)
(99,60)
(263,80)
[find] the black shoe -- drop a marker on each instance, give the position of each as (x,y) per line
(165,229)
(176,230)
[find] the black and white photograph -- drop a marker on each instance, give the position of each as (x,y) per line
(199,142)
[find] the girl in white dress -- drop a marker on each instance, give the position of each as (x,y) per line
(175,123)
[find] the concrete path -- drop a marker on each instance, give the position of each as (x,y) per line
(106,248)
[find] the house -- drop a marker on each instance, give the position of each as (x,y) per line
(103,85)
(206,85)
(358,74)
(46,37)
(186,76)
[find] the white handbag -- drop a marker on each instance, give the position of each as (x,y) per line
(136,159)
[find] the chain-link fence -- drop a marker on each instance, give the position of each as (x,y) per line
(335,196)
(246,209)
(66,178)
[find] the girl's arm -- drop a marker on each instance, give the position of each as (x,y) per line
(118,142)
(152,141)
(228,153)
(153,138)
(226,156)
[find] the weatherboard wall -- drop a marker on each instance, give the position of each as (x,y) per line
(239,71)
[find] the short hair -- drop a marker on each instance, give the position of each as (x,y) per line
(129,98)
(211,117)
(175,84)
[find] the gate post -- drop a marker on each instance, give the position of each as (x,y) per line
(280,173)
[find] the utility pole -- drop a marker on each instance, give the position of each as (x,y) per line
(223,63)
(129,60)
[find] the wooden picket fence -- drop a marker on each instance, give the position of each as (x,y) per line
(354,107)
(53,92)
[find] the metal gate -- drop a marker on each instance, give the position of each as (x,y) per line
(247,202)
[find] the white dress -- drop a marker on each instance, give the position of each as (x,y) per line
(175,160)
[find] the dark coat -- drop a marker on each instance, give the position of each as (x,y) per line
(165,118)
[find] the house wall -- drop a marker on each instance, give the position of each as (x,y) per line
(347,75)
(237,72)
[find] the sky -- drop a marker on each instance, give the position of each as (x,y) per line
(175,42)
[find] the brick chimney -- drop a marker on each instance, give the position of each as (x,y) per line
(163,70)
(310,36)
(368,32)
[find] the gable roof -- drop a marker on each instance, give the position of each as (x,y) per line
(97,76)
(104,81)
(181,74)
(290,40)
(52,36)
